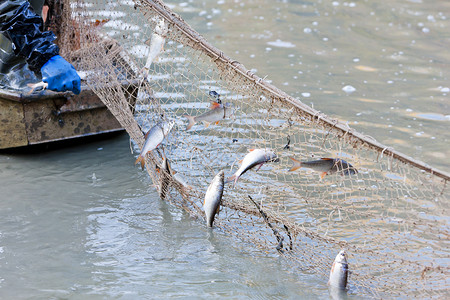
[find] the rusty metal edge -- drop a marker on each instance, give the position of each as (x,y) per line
(317,116)
(76,136)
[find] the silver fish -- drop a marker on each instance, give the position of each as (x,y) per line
(213,197)
(216,114)
(153,139)
(339,271)
(325,166)
(156,44)
(256,157)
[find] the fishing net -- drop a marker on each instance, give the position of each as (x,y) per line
(392,216)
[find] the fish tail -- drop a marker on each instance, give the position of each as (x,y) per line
(191,120)
(296,164)
(141,160)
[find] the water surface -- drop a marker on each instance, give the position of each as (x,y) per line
(84,223)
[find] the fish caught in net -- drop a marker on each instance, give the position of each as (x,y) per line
(326,187)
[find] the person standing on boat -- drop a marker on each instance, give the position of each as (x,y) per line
(27,53)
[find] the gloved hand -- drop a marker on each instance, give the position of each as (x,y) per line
(60,75)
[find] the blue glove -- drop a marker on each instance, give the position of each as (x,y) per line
(60,75)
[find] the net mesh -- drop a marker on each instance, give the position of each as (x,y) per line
(392,216)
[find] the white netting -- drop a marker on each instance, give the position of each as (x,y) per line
(392,215)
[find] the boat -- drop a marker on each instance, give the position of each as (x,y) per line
(47,116)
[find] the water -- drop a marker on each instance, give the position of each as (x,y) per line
(83,222)
(382,68)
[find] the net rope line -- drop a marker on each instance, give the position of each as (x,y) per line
(383,227)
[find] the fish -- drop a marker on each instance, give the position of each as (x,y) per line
(217,113)
(256,157)
(213,197)
(339,271)
(326,166)
(181,180)
(153,139)
(165,177)
(170,175)
(34,86)
(156,45)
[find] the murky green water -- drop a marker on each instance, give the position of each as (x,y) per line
(84,223)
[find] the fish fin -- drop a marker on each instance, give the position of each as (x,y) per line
(218,209)
(145,70)
(230,179)
(141,160)
(259,167)
(326,158)
(191,120)
(296,164)
(45,10)
(138,159)
(214,105)
(146,135)
(294,168)
(322,175)
(216,123)
(206,124)
(241,161)
(332,267)
(250,150)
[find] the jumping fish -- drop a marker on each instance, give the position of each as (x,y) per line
(34,86)
(156,45)
(153,139)
(325,166)
(213,197)
(339,271)
(218,112)
(256,157)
